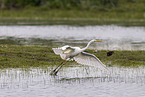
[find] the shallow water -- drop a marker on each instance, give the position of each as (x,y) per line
(114,37)
(73,81)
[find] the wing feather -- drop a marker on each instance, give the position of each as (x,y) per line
(63,51)
(57,51)
(89,59)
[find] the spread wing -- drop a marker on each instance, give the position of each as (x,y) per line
(89,59)
(63,51)
(57,51)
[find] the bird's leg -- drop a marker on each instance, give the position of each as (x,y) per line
(61,66)
(56,71)
(52,72)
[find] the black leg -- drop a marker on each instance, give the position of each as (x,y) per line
(52,72)
(56,71)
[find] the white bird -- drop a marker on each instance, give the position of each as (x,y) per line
(69,53)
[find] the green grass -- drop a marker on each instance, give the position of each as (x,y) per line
(123,58)
(20,56)
(26,56)
(127,14)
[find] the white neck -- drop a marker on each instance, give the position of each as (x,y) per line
(88,45)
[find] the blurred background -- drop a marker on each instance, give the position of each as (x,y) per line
(127,12)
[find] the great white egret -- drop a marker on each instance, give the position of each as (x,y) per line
(69,53)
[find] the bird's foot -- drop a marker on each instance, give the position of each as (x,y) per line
(54,72)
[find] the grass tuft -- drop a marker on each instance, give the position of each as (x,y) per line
(20,56)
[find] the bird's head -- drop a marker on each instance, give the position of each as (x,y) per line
(97,40)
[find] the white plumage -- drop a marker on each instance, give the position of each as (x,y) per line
(89,59)
(75,53)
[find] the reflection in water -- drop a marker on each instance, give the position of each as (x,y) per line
(86,80)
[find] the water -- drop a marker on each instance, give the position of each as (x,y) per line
(114,37)
(75,80)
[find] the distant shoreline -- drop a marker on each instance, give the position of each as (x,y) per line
(71,17)
(70,21)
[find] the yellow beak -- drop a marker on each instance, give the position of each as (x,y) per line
(98,41)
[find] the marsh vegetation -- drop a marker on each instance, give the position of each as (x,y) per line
(80,12)
(30,46)
(21,56)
